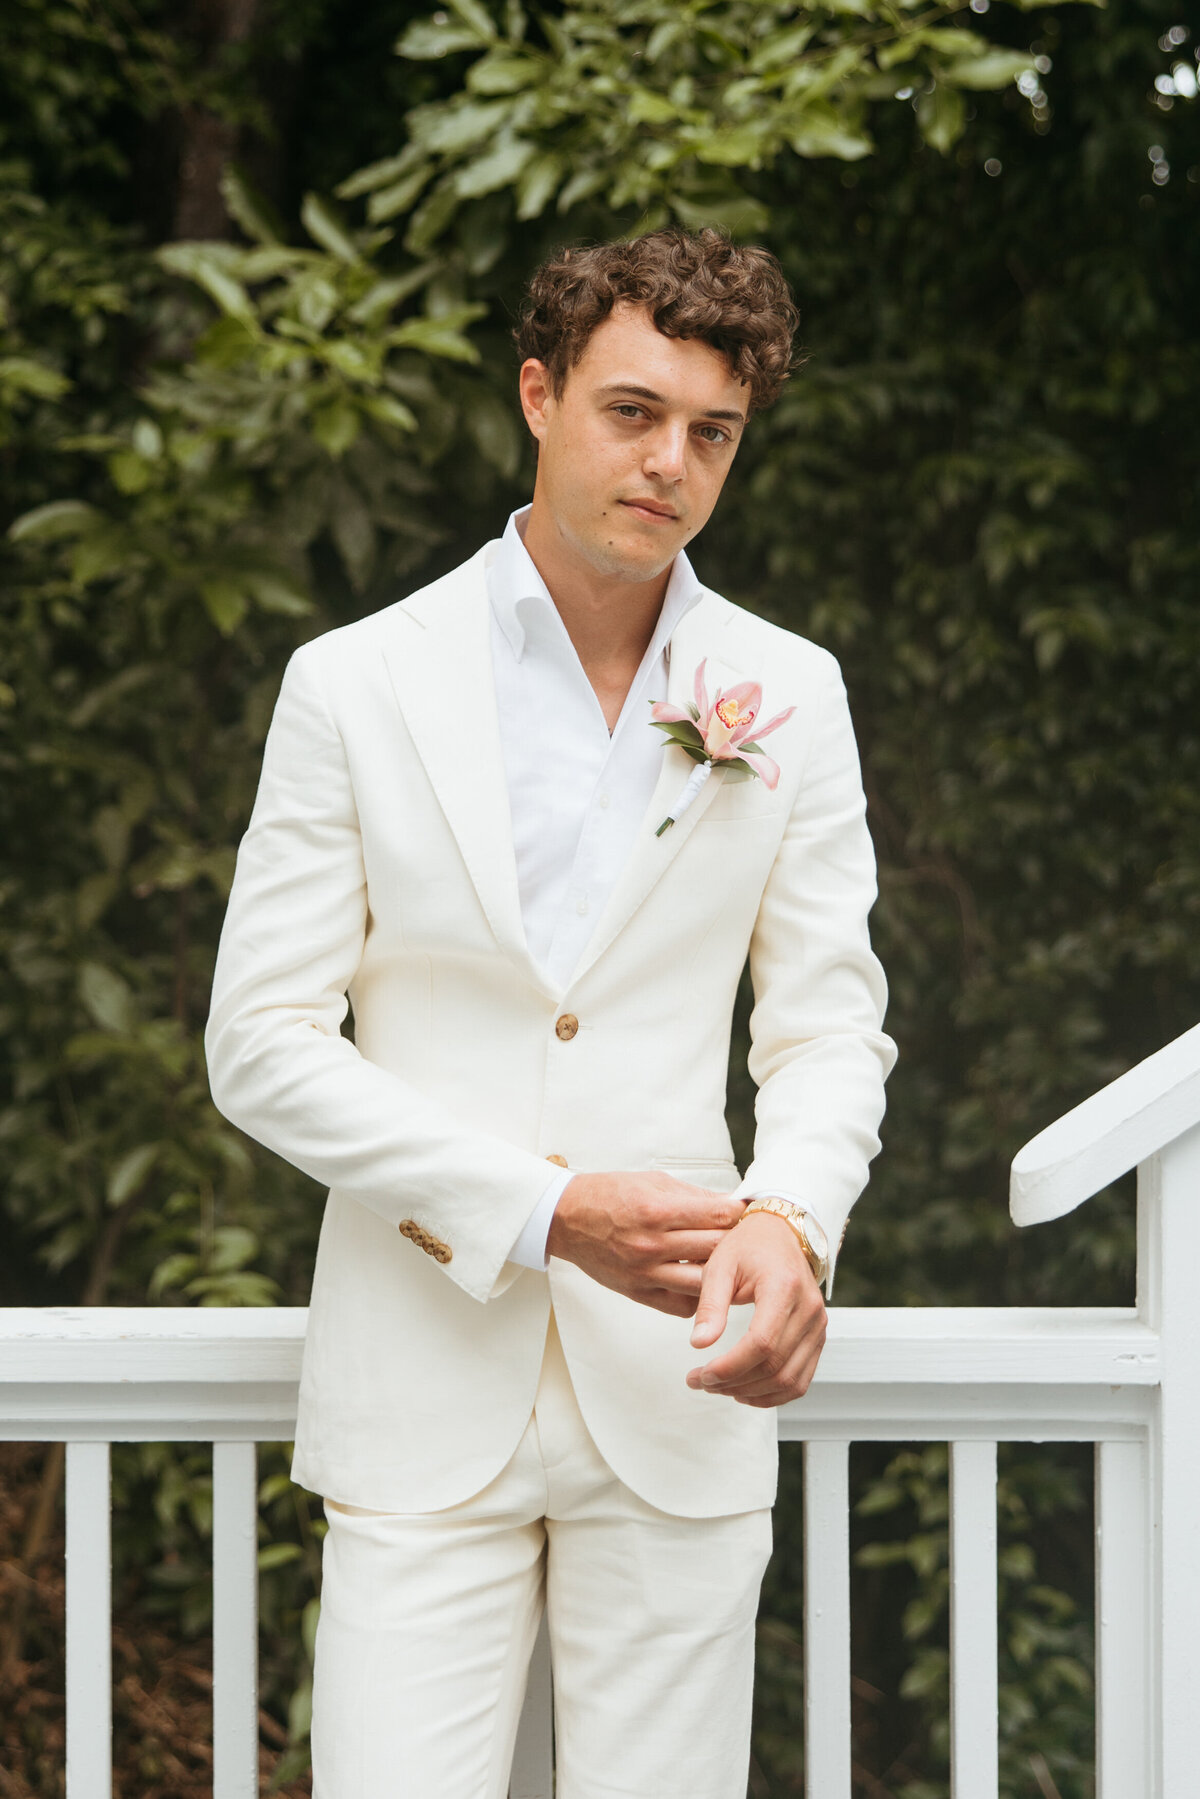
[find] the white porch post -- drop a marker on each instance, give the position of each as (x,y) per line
(1124,1589)
(1171,1194)
(826,1620)
(235,1621)
(974,1772)
(89,1622)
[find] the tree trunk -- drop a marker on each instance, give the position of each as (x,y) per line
(208,141)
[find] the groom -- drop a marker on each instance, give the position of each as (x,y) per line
(532,1189)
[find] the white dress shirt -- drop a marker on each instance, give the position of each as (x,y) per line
(577,792)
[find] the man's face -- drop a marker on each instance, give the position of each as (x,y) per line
(635,449)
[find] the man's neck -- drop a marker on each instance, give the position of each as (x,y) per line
(609,620)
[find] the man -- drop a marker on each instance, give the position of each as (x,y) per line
(460,825)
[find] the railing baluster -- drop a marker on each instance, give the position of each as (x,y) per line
(974,1739)
(235,1621)
(89,1622)
(1177,1455)
(1124,1572)
(826,1620)
(533,1758)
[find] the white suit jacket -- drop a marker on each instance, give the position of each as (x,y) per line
(379,864)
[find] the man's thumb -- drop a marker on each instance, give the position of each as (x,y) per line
(712,1311)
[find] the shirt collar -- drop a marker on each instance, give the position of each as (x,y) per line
(522,604)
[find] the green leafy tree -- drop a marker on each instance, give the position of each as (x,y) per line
(661,107)
(977,494)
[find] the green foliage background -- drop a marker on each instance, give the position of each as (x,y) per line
(980,493)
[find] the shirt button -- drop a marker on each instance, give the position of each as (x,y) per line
(581,906)
(603,800)
(559,1161)
(566,1026)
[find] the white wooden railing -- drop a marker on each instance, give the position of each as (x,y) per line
(1125,1379)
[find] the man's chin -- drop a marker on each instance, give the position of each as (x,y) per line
(634,561)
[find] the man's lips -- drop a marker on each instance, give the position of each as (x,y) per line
(650,509)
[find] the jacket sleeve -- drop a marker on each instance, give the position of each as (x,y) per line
(818,1055)
(278,1065)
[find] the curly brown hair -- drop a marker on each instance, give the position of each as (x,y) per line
(693,284)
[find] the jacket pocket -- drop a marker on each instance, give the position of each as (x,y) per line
(720,1173)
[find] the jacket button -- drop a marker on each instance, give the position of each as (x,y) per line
(566,1026)
(433,1246)
(559,1161)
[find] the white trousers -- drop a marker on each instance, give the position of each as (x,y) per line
(428,1621)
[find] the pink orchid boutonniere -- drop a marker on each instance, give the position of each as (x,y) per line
(718,733)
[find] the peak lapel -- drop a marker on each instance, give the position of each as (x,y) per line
(699,633)
(440,663)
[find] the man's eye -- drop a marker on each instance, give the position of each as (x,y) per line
(629,412)
(713,434)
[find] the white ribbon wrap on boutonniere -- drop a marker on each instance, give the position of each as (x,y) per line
(718,734)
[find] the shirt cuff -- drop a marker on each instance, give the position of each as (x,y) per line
(529,1250)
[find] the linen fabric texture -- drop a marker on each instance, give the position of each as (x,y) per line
(428,1619)
(379,865)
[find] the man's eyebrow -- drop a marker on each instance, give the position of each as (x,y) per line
(648,393)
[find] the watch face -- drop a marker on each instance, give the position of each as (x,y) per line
(816,1236)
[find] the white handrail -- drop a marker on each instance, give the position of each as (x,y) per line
(117,1374)
(1134,1117)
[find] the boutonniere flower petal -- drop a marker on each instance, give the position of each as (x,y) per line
(724,731)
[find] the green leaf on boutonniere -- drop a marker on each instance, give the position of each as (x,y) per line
(735,771)
(681,732)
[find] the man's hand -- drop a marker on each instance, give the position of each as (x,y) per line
(761,1262)
(645,1235)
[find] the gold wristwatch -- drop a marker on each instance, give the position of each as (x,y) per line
(811,1237)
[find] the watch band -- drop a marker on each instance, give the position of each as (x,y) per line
(794,1216)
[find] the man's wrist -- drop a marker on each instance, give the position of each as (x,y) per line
(804,1226)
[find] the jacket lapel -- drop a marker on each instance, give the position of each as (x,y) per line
(699,634)
(440,663)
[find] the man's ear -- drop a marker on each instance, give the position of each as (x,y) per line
(536,397)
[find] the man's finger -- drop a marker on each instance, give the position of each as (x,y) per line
(793,1384)
(745,1360)
(797,1339)
(729,1372)
(677,1277)
(716,1292)
(701,1209)
(688,1246)
(798,1372)
(679,1305)
(800,1351)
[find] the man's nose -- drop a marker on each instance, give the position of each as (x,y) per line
(666,454)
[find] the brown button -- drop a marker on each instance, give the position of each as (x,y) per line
(559,1161)
(566,1026)
(433,1246)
